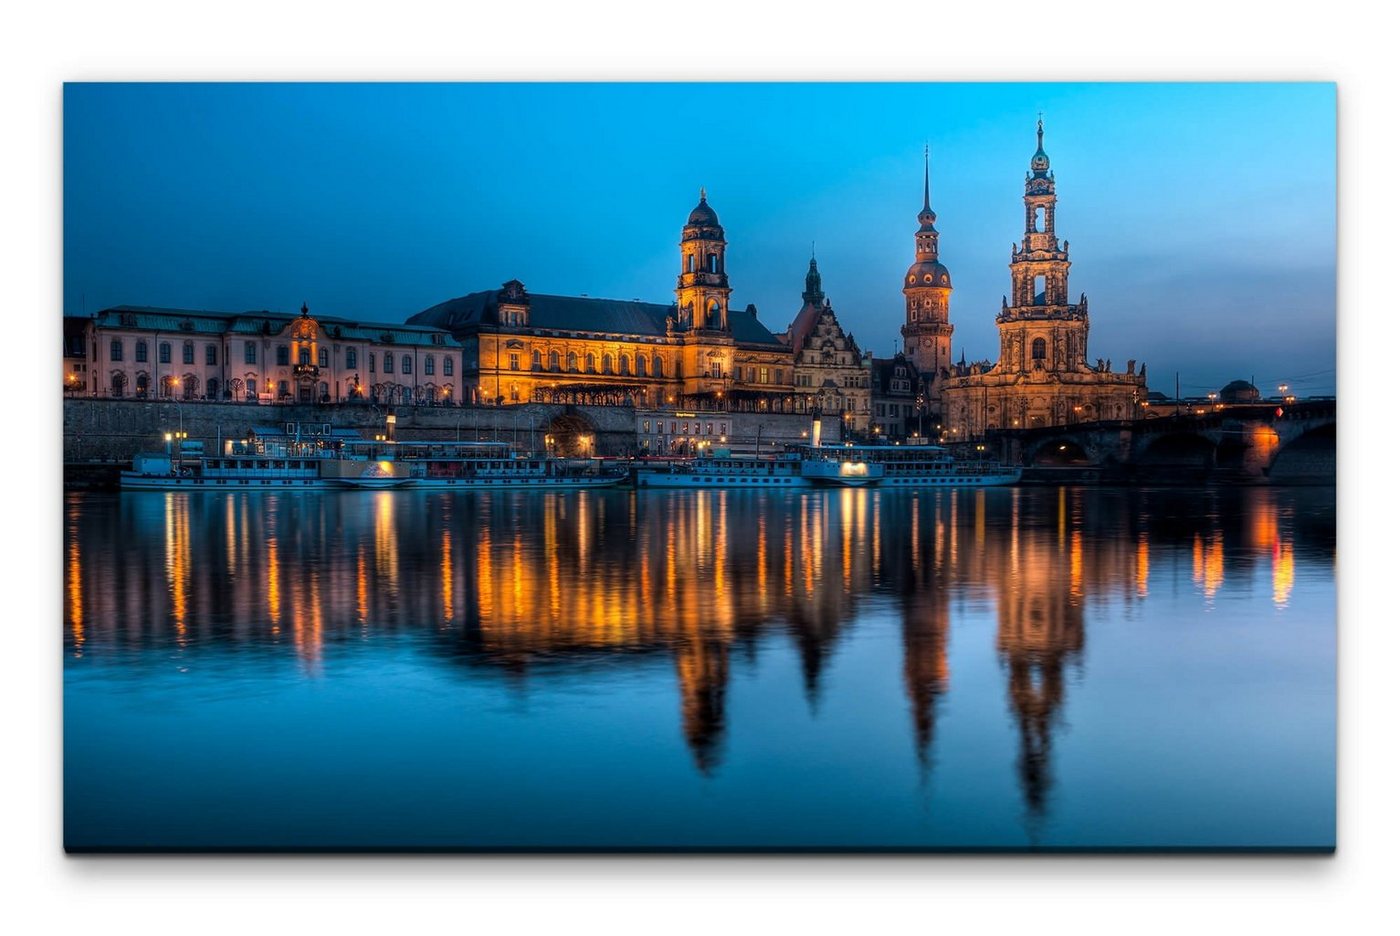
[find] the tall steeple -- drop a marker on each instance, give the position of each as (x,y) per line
(926,238)
(813,294)
(1040,269)
(1042,331)
(928,286)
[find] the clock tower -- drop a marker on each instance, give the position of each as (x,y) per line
(928,337)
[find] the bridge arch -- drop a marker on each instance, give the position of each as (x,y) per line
(1062,451)
(1309,458)
(1178,450)
(571,435)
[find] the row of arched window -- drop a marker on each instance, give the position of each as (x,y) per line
(622,364)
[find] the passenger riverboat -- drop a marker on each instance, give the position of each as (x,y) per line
(466,466)
(293,458)
(792,470)
(920,466)
(781,472)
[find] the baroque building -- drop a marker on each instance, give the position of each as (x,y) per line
(895,387)
(1042,376)
(830,374)
(696,353)
(270,357)
(928,337)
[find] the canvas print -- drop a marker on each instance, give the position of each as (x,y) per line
(570,467)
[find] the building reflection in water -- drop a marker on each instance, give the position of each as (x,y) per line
(529,583)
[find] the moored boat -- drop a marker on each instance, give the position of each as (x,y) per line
(467,466)
(919,466)
(781,472)
(269,458)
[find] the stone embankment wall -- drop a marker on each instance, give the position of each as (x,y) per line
(102,430)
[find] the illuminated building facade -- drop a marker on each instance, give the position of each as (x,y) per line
(144,353)
(1042,377)
(698,352)
(830,373)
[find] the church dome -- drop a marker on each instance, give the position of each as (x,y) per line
(703,214)
(928,273)
(1239,391)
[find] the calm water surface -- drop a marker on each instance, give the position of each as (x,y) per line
(1001,668)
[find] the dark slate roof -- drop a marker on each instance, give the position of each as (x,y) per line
(171,320)
(249,323)
(883,372)
(581,314)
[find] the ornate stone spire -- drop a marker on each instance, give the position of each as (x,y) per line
(813,294)
(926,205)
(1040,162)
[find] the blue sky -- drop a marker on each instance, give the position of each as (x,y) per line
(1202,217)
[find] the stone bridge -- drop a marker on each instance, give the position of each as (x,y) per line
(1276,443)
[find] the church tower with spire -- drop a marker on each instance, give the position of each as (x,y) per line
(928,337)
(1040,329)
(1042,376)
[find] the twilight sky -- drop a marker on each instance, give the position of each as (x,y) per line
(1201,217)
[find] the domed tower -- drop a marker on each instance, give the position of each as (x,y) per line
(928,337)
(702,290)
(1040,329)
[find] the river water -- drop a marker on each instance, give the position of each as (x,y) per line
(1000,668)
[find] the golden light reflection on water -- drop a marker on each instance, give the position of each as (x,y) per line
(1283,573)
(177,559)
(448,613)
(1143,566)
(527,580)
(73,580)
(274,586)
